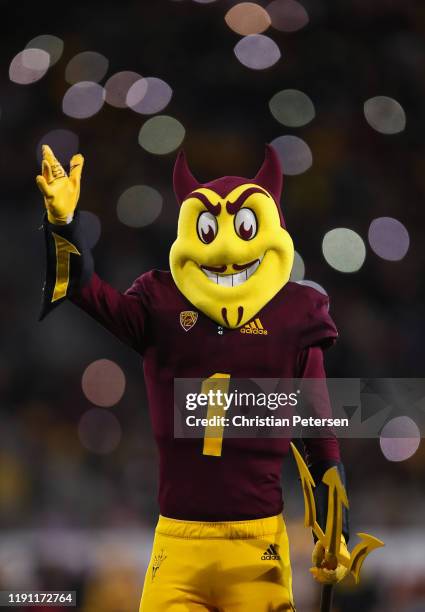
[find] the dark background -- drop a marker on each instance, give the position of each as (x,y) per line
(71,518)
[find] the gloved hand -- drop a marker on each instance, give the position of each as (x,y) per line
(326,568)
(60,191)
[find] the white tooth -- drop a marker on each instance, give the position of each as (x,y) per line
(238,279)
(233,280)
(209,274)
(253,268)
(226,281)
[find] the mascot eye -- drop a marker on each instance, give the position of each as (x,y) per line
(207,227)
(245,224)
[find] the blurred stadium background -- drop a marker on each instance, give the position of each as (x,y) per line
(339,88)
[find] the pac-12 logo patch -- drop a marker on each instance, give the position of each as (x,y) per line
(188,319)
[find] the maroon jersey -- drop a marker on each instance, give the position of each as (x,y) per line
(284,340)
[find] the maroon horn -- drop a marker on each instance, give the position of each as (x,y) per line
(270,174)
(183,180)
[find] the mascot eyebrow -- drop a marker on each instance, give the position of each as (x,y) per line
(231,207)
(213,208)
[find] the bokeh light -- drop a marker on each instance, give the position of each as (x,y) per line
(161,135)
(51,44)
(63,143)
(117,87)
(139,205)
(287,15)
(29,66)
(344,249)
(149,96)
(257,51)
(99,431)
(83,100)
(385,115)
(292,108)
(294,154)
(400,438)
(136,93)
(86,66)
(298,269)
(92,227)
(247,18)
(103,383)
(388,238)
(313,285)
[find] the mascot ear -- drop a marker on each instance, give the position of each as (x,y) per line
(270,174)
(183,180)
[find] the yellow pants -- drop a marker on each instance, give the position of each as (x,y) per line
(240,566)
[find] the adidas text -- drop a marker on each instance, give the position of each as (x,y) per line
(255,328)
(271,554)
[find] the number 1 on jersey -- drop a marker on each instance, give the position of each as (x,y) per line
(213,437)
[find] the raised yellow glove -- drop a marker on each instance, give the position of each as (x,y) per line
(326,568)
(60,191)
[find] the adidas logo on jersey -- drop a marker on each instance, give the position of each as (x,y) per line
(254,327)
(271,554)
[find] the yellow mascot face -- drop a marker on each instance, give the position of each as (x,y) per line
(232,253)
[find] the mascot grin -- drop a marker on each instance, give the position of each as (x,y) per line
(232,253)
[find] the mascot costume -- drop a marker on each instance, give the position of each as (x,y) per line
(226,309)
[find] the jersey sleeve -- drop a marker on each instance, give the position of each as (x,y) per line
(69,263)
(70,275)
(318,328)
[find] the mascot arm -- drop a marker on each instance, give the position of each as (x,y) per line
(69,262)
(321,453)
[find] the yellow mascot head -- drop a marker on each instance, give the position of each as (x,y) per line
(232,253)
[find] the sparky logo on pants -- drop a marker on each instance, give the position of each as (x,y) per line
(271,554)
(156,562)
(254,327)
